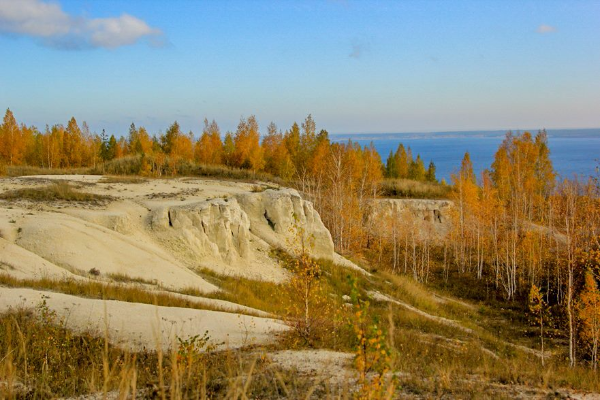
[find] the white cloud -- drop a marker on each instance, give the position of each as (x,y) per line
(546,29)
(48,23)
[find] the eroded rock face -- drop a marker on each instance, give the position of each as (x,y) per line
(215,228)
(278,216)
(423,216)
(162,231)
(238,233)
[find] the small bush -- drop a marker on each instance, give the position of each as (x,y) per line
(406,188)
(130,165)
(224,172)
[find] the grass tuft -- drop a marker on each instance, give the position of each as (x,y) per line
(123,179)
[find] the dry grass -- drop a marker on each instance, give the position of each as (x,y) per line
(123,292)
(25,170)
(406,188)
(430,359)
(123,179)
(40,358)
(261,295)
(56,191)
(236,174)
(134,166)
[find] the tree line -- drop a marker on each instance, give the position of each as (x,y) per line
(400,165)
(340,178)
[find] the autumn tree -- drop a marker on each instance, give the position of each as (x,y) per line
(167,141)
(247,152)
(277,158)
(309,313)
(402,162)
(12,145)
(316,184)
(308,141)
(111,148)
(416,170)
(537,311)
(209,148)
(134,144)
(430,174)
(397,163)
(72,144)
(228,150)
(292,143)
(390,166)
(589,316)
(465,195)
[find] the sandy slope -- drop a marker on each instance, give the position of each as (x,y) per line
(139,326)
(85,245)
(23,264)
(160,232)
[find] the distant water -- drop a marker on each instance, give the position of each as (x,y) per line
(573,152)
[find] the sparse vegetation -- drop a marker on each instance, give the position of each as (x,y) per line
(43,359)
(107,291)
(412,189)
(56,191)
(28,170)
(123,179)
(459,327)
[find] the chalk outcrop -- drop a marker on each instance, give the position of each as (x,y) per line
(283,219)
(236,234)
(422,216)
(162,231)
(79,247)
(158,235)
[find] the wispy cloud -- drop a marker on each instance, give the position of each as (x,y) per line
(52,27)
(544,29)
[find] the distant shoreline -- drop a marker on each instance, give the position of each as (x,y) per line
(552,133)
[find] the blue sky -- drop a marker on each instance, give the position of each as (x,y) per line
(357,66)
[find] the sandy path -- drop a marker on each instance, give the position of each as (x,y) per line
(445,321)
(139,326)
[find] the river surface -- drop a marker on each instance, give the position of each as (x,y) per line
(573,152)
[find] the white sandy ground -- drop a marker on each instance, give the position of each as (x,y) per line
(221,304)
(121,236)
(85,246)
(332,367)
(66,240)
(142,326)
(23,264)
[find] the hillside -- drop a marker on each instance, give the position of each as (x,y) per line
(168,267)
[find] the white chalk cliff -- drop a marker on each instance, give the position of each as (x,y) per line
(163,232)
